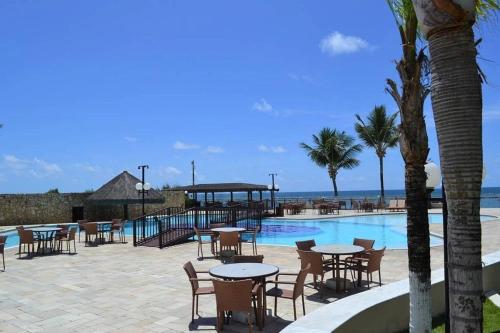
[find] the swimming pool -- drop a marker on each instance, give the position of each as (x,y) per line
(387,230)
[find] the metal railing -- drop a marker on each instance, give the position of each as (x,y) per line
(169,226)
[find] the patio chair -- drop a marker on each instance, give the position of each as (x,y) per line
(369,265)
(3,240)
(401,204)
(252,239)
(314,261)
(234,296)
(305,245)
(293,294)
(117,225)
(26,238)
(200,241)
(238,259)
(81,227)
(229,241)
(70,237)
(91,229)
(196,290)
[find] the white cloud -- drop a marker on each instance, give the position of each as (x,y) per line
(301,78)
(87,167)
(35,167)
(271,149)
(263,106)
(131,139)
(185,146)
(491,115)
(214,150)
(336,43)
(170,171)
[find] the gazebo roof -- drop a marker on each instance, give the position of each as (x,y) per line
(121,190)
(221,187)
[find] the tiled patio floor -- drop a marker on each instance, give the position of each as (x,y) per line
(119,288)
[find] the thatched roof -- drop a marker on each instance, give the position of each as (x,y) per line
(221,187)
(121,190)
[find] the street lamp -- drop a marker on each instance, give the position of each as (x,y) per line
(272,188)
(433,173)
(142,189)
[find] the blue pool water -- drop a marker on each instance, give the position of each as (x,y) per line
(387,230)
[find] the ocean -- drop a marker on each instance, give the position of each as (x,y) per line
(490,196)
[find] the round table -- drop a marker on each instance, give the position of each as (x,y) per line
(336,250)
(228,229)
(243,271)
(254,271)
(44,234)
(100,229)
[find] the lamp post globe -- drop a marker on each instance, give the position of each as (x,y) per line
(433,173)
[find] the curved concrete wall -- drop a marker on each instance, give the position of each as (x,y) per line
(384,309)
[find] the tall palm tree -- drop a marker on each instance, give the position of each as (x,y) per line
(380,133)
(334,150)
(457,106)
(414,149)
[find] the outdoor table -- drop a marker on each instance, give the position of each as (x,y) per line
(100,228)
(228,229)
(336,250)
(45,235)
(255,271)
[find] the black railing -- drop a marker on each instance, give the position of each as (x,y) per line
(172,225)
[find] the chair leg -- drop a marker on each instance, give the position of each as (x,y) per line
(197,302)
(294,311)
(250,323)
(3,261)
(303,305)
(379,278)
(276,306)
(19,250)
(192,310)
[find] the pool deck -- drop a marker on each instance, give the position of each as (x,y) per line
(119,288)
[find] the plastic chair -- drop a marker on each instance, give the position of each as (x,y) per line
(117,225)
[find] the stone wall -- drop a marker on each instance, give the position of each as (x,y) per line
(25,209)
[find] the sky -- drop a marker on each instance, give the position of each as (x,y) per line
(91,88)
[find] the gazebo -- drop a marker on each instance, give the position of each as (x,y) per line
(121,191)
(225,188)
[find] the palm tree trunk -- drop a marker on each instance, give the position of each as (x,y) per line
(418,248)
(381,168)
(335,191)
(457,106)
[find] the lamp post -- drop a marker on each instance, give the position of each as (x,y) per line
(272,187)
(142,189)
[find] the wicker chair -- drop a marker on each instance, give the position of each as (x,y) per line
(229,241)
(251,240)
(117,225)
(316,265)
(237,259)
(26,238)
(3,240)
(293,294)
(196,290)
(81,227)
(200,241)
(70,237)
(234,296)
(369,265)
(307,245)
(91,229)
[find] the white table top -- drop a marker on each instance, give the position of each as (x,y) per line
(228,229)
(243,271)
(337,249)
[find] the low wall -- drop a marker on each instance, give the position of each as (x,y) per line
(386,308)
(25,209)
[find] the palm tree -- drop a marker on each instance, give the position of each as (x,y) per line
(414,149)
(334,150)
(380,133)
(457,107)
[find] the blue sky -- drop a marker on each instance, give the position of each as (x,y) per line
(91,88)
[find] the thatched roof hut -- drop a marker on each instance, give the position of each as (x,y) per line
(121,191)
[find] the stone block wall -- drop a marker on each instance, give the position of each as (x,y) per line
(26,209)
